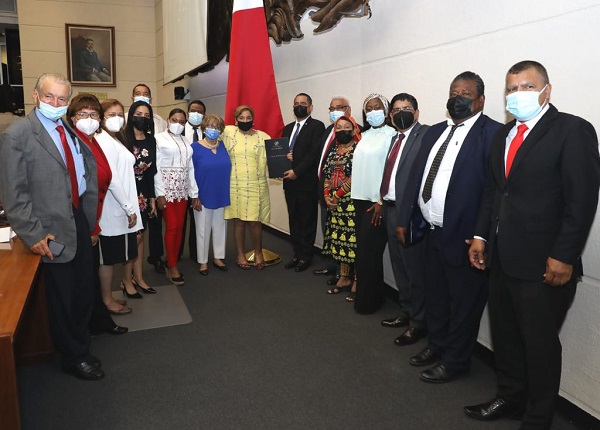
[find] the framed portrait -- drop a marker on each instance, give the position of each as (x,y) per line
(91,55)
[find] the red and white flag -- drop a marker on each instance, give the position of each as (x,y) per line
(251,79)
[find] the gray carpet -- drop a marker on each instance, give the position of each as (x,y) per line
(264,350)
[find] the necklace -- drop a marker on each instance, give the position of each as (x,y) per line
(181,163)
(208,145)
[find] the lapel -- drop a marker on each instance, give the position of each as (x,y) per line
(409,144)
(467,146)
(44,139)
(302,131)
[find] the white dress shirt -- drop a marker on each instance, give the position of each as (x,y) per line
(530,124)
(174,178)
(391,194)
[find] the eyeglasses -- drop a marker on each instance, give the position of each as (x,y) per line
(213,127)
(404,108)
(84,115)
(338,108)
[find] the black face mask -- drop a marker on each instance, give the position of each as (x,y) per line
(141,123)
(245,125)
(344,136)
(300,111)
(404,119)
(459,107)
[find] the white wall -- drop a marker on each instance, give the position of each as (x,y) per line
(418,47)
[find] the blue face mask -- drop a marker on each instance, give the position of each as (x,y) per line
(51,112)
(375,118)
(195,118)
(335,115)
(524,105)
(141,99)
(212,134)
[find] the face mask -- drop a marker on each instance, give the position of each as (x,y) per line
(524,105)
(87,126)
(114,123)
(245,126)
(404,119)
(195,118)
(212,134)
(335,115)
(51,112)
(459,107)
(300,111)
(141,123)
(176,128)
(344,136)
(141,99)
(375,118)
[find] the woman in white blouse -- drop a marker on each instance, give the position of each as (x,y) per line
(174,183)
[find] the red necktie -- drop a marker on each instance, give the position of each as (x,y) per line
(514,146)
(70,166)
(389,166)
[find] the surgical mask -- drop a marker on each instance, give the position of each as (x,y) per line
(114,123)
(404,119)
(212,134)
(245,125)
(300,111)
(87,126)
(375,117)
(141,99)
(524,105)
(344,136)
(176,128)
(51,112)
(195,118)
(335,115)
(141,123)
(459,107)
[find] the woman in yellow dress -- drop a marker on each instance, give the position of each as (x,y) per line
(249,190)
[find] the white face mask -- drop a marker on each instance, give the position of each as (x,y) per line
(87,126)
(524,105)
(141,99)
(114,123)
(195,118)
(176,128)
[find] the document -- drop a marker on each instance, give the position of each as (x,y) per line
(277,162)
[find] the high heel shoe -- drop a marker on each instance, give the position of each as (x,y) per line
(136,295)
(148,290)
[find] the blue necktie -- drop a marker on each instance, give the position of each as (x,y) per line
(294,137)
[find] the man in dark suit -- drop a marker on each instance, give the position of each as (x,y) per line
(535,216)
(90,64)
(300,182)
(407,263)
(446,184)
(49,189)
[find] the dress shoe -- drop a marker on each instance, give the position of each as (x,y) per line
(148,290)
(203,272)
(324,272)
(439,374)
(410,336)
(85,370)
(302,265)
(424,358)
(159,265)
(135,295)
(94,361)
(399,321)
(333,280)
(494,409)
(222,268)
(123,310)
(179,281)
(116,330)
(292,263)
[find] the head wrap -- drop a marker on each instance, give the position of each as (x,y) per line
(384,101)
(357,135)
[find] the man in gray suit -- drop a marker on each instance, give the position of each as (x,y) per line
(407,263)
(49,189)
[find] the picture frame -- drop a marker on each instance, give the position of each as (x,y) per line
(91,55)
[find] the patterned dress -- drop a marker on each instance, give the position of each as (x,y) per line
(144,152)
(340,234)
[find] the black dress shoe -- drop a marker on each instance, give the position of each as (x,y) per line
(399,321)
(424,358)
(493,410)
(302,265)
(410,336)
(94,361)
(118,330)
(292,263)
(203,272)
(222,268)
(333,280)
(159,265)
(439,374)
(85,370)
(324,272)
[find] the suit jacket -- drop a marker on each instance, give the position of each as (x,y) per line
(306,155)
(546,206)
(467,182)
(35,186)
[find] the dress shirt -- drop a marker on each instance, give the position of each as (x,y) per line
(433,210)
(324,150)
(530,124)
(175,177)
(391,194)
(189,132)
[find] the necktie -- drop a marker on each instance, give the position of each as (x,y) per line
(195,136)
(435,165)
(295,136)
(515,144)
(389,166)
(70,166)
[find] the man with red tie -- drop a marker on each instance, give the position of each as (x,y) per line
(534,220)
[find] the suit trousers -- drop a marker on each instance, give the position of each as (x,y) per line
(70,296)
(302,214)
(155,238)
(207,221)
(408,265)
(455,297)
(370,245)
(525,318)
(174,216)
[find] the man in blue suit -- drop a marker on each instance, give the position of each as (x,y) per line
(446,184)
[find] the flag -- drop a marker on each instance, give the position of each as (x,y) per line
(251,79)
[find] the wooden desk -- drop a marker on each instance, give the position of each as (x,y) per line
(24,333)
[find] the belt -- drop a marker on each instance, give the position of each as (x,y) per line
(389,203)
